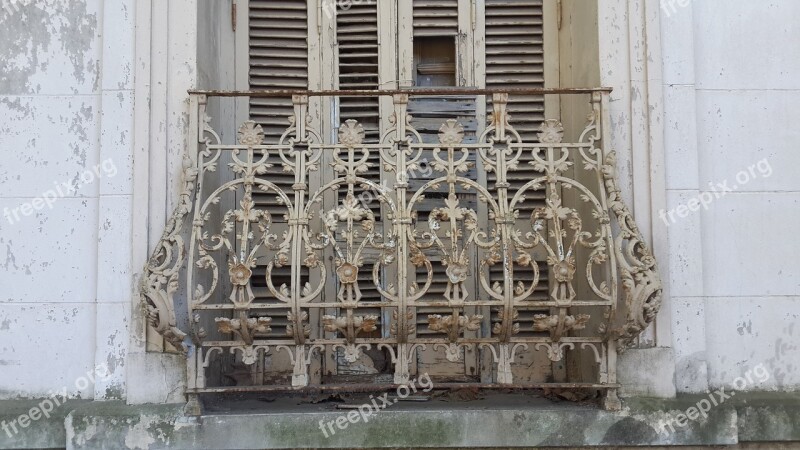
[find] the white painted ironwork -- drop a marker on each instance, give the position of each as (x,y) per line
(587,235)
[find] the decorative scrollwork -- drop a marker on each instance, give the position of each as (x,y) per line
(298,322)
(161,274)
(555,350)
(638,271)
(244,328)
(551,132)
(463,226)
(402,359)
(454,325)
(353,265)
(451,133)
(351,326)
(349,259)
(557,325)
(504,356)
(351,133)
(250,134)
(249,353)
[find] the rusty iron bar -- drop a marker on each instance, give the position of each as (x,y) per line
(428,341)
(370,387)
(387,92)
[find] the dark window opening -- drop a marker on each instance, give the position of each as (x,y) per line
(434,61)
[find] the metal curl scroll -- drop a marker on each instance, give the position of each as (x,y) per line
(639,275)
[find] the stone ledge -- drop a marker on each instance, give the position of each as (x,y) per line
(774,417)
(496,421)
(46,432)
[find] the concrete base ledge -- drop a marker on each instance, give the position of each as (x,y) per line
(495,421)
(774,417)
(47,431)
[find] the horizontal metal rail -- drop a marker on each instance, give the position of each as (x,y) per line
(410,92)
(371,387)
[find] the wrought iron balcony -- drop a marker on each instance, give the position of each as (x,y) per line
(288,261)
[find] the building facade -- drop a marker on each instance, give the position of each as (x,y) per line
(97,121)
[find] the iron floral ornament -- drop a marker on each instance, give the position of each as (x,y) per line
(285,252)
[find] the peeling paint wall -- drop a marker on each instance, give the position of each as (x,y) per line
(66,99)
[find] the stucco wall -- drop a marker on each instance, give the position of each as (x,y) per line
(66,103)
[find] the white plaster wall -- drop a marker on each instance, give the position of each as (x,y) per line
(66,103)
(732,90)
(82,82)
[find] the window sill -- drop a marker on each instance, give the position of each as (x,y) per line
(495,421)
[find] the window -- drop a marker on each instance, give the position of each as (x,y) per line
(314,262)
(373,44)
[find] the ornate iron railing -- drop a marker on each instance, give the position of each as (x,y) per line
(577,240)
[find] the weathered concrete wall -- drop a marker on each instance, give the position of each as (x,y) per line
(66,102)
(732,89)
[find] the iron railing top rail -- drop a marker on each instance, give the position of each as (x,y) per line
(407,91)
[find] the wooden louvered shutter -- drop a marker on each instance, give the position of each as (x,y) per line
(358,68)
(358,50)
(437,52)
(278,54)
(357,38)
(435,17)
(278,59)
(515,59)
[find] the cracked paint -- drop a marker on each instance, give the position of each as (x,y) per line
(46,36)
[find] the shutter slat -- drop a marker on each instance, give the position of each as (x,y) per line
(278,50)
(435,17)
(515,58)
(357,40)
